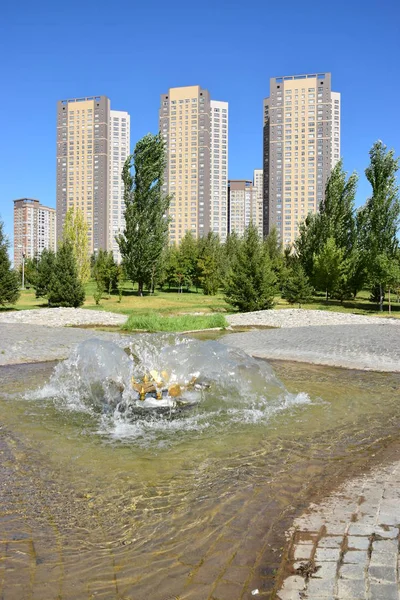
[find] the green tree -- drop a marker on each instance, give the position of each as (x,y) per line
(9,280)
(228,252)
(75,232)
(273,246)
(30,271)
(146,206)
(307,243)
(168,267)
(251,284)
(386,270)
(209,264)
(329,267)
(380,217)
(335,219)
(187,259)
(336,211)
(45,271)
(297,288)
(356,275)
(65,288)
(105,271)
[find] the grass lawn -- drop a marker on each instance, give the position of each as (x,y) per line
(155,322)
(169,303)
(361,305)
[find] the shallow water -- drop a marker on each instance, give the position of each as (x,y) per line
(88,510)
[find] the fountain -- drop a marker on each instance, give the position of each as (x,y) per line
(160,378)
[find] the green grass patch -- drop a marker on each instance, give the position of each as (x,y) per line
(153,322)
(172,303)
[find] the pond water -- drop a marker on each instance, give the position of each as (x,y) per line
(99,502)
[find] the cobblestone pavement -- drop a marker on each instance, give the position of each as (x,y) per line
(370,347)
(347,548)
(59,317)
(299,317)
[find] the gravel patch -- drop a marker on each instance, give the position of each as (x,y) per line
(298,317)
(61,317)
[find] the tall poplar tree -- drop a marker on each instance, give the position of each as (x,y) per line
(336,211)
(146,206)
(335,219)
(75,232)
(380,217)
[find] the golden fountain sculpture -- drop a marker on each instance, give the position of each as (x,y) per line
(157,385)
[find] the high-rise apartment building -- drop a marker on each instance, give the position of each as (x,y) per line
(195,131)
(242,203)
(90,152)
(219,168)
(34,229)
(119,152)
(258,184)
(301,146)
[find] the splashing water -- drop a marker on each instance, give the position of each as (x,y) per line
(237,389)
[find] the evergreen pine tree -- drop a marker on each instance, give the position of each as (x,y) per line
(273,247)
(251,284)
(146,206)
(297,288)
(229,250)
(9,280)
(65,288)
(45,271)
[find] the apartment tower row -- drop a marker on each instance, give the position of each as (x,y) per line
(301,145)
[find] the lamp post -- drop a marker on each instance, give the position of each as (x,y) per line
(23,266)
(23,270)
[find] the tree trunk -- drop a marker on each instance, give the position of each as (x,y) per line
(380,298)
(390,306)
(140,288)
(326,296)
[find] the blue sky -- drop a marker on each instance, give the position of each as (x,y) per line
(133,52)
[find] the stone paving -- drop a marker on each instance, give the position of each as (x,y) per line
(370,347)
(24,343)
(347,548)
